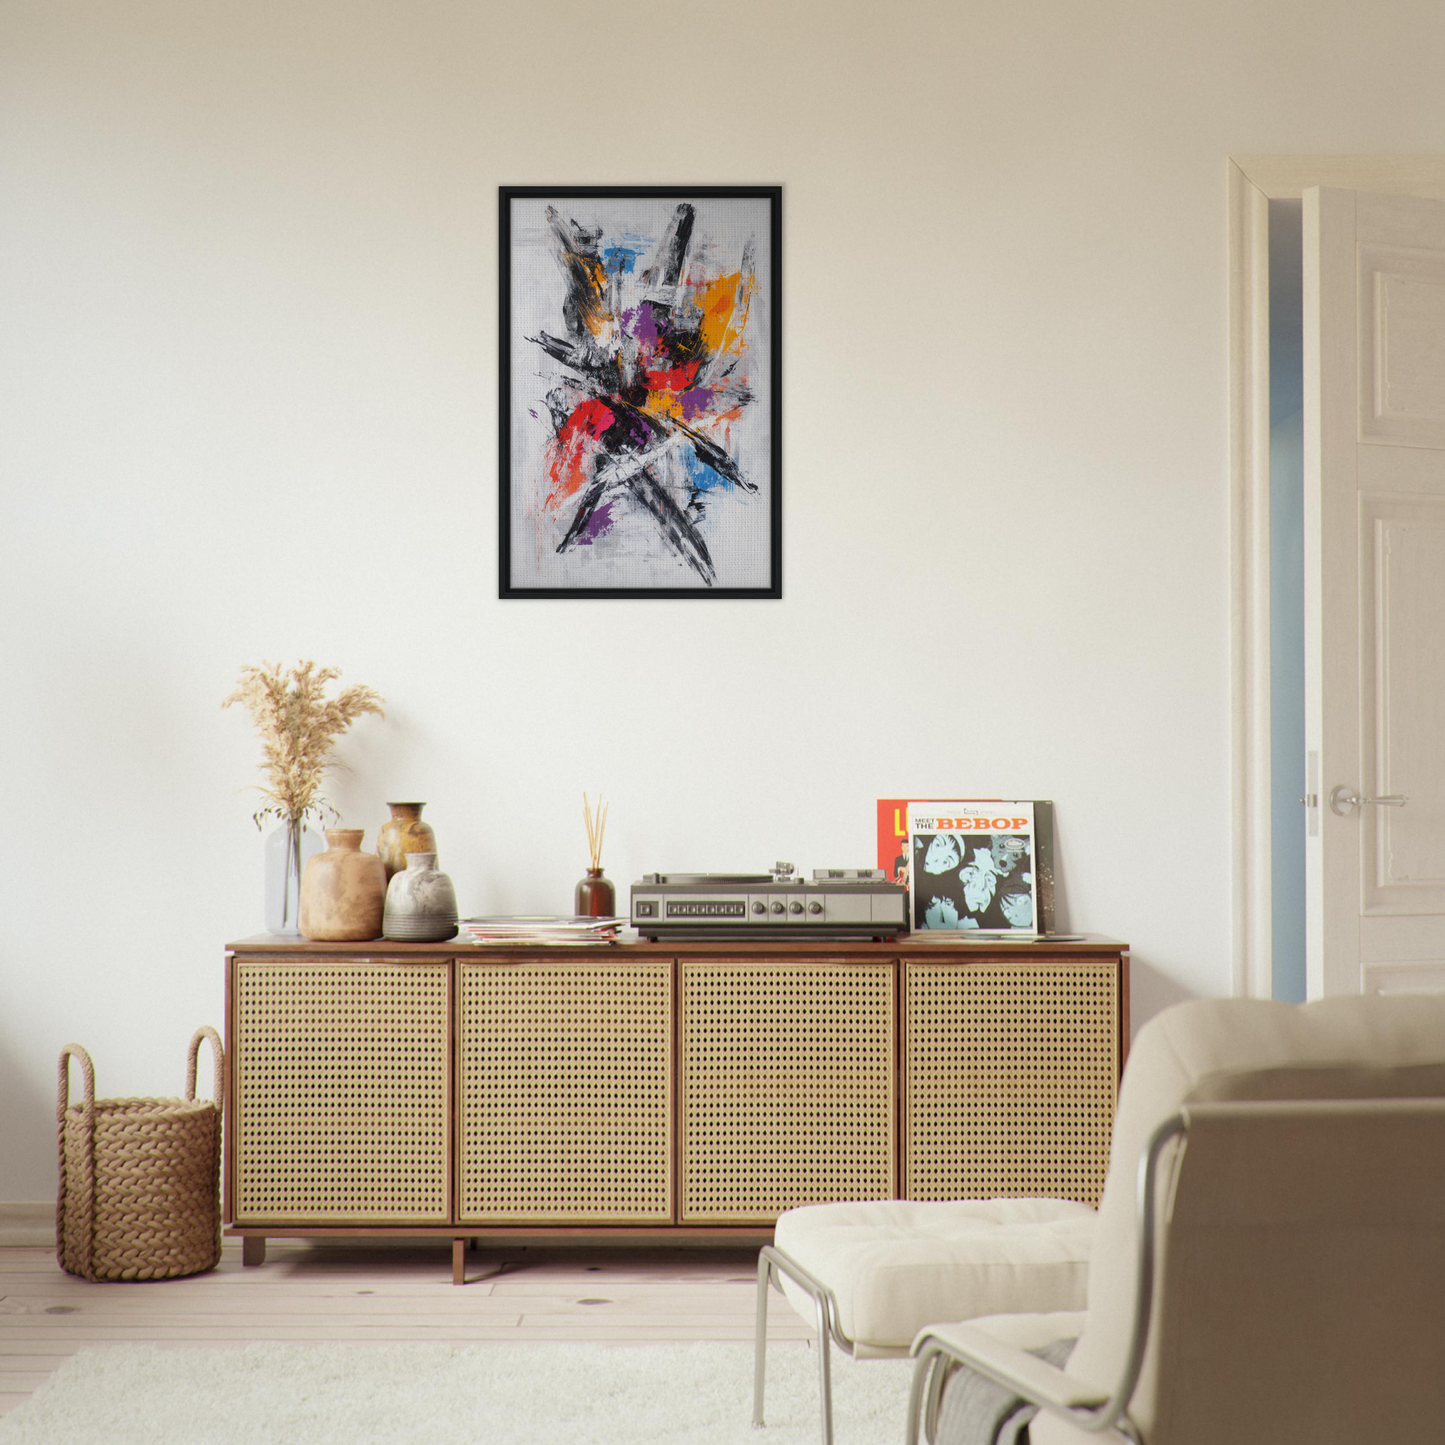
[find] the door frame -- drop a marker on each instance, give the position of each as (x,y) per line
(1252,182)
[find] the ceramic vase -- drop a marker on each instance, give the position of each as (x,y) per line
(343,890)
(595,896)
(288,849)
(421,904)
(403,833)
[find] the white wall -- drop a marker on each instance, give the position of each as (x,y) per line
(248,336)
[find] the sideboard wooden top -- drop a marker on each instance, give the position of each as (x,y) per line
(914,946)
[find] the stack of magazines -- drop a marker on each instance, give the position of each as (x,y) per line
(523,928)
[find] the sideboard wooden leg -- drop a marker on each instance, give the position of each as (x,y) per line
(459,1261)
(253,1249)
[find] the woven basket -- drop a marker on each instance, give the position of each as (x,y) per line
(139,1178)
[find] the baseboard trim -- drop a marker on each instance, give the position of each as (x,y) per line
(28,1223)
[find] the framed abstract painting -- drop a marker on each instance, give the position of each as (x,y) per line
(641,391)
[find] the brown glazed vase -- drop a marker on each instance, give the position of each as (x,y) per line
(595,897)
(404,833)
(343,890)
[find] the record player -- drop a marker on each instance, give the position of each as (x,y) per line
(834,903)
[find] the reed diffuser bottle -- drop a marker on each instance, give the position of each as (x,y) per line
(595,896)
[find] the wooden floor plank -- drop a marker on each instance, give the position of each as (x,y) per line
(45,1310)
(64,1289)
(551,1331)
(23,1381)
(38,1336)
(56,1309)
(337,1261)
(28,1346)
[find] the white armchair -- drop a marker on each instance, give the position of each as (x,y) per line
(1269,1259)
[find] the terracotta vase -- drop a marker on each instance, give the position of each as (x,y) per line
(421,904)
(404,833)
(343,890)
(595,897)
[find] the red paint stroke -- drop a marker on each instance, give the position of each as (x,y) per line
(676,378)
(573,448)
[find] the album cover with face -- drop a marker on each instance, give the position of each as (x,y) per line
(976,865)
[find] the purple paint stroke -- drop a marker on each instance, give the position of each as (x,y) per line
(639,322)
(695,400)
(599,524)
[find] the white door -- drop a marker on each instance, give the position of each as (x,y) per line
(1374,423)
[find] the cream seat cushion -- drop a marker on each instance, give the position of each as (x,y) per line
(896,1265)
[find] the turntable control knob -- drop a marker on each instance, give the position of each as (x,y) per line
(760,907)
(795,907)
(777,908)
(815,907)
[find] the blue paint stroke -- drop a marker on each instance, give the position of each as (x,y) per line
(621,256)
(702,477)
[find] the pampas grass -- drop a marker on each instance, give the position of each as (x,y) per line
(298,725)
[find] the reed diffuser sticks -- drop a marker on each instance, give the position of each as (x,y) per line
(596,827)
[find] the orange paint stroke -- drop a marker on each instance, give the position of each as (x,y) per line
(725,304)
(717,301)
(662,403)
(597,318)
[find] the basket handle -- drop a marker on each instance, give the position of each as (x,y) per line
(84,1186)
(218,1055)
(87,1070)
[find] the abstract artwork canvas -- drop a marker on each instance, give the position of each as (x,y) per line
(640,392)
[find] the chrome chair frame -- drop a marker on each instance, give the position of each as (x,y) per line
(771,1264)
(937,1358)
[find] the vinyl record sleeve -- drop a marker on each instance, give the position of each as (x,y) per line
(895,858)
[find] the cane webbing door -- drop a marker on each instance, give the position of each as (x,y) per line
(342,1082)
(1010,1078)
(788,1094)
(566,1092)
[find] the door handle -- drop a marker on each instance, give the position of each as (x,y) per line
(1344,800)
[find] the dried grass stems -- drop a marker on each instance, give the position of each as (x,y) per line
(298,725)
(596,827)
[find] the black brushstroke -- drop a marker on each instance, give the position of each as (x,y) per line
(581,262)
(675,526)
(585,508)
(559,408)
(583,356)
(673,251)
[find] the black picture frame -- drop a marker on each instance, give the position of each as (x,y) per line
(520,383)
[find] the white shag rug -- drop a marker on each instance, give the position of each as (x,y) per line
(477,1394)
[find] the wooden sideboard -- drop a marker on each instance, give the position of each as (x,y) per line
(657,1091)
